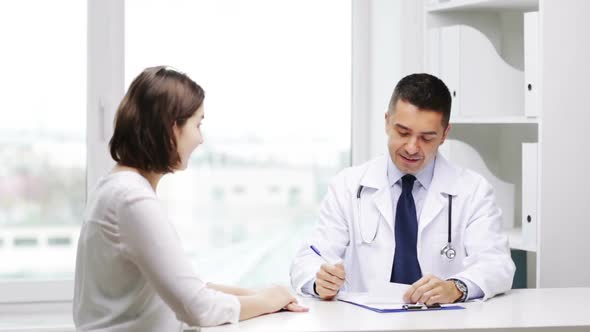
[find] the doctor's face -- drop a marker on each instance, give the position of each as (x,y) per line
(414,136)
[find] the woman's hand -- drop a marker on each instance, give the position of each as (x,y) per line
(268,300)
(278,298)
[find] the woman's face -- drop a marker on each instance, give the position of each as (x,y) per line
(188,137)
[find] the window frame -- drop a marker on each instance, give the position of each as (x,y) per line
(105,87)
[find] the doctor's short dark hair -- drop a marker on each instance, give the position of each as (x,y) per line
(157,99)
(424,91)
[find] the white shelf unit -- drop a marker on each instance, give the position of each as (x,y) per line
(495,150)
(516,240)
(519,86)
(478,49)
(495,120)
(481,5)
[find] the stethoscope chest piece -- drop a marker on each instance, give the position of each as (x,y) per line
(448,251)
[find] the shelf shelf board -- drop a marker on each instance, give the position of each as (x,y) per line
(483,5)
(494,120)
(516,240)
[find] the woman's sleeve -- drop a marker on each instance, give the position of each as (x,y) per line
(150,241)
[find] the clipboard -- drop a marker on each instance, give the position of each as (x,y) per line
(405,307)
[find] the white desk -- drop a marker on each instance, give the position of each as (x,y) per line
(520,310)
(526,309)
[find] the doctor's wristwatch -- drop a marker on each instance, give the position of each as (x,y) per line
(462,287)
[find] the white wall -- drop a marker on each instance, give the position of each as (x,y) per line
(565,156)
(386,46)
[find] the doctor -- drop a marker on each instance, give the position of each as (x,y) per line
(409,217)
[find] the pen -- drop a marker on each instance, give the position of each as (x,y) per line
(317,252)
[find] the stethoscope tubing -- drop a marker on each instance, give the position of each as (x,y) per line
(450,219)
(358,199)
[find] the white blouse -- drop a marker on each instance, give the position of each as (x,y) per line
(131,271)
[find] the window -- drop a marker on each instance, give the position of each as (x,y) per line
(277,77)
(42,137)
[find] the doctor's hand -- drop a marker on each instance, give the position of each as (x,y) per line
(328,280)
(430,290)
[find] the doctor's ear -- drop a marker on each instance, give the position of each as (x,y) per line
(445,133)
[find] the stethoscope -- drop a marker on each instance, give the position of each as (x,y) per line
(447,251)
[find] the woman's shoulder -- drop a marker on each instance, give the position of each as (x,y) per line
(116,191)
(124,186)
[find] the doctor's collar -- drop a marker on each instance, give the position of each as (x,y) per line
(424,177)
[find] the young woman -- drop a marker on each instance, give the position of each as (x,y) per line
(131,271)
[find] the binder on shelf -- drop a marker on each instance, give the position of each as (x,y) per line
(531,64)
(481,82)
(433,65)
(449,66)
(530,218)
(443,61)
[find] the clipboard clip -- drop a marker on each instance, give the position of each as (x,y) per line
(420,306)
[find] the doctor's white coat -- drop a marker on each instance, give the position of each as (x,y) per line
(483,255)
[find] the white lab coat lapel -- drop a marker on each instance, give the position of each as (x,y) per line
(443,184)
(376,177)
(379,262)
(383,203)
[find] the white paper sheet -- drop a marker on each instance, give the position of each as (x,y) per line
(389,292)
(364,299)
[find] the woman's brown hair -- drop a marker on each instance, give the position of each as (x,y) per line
(157,99)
